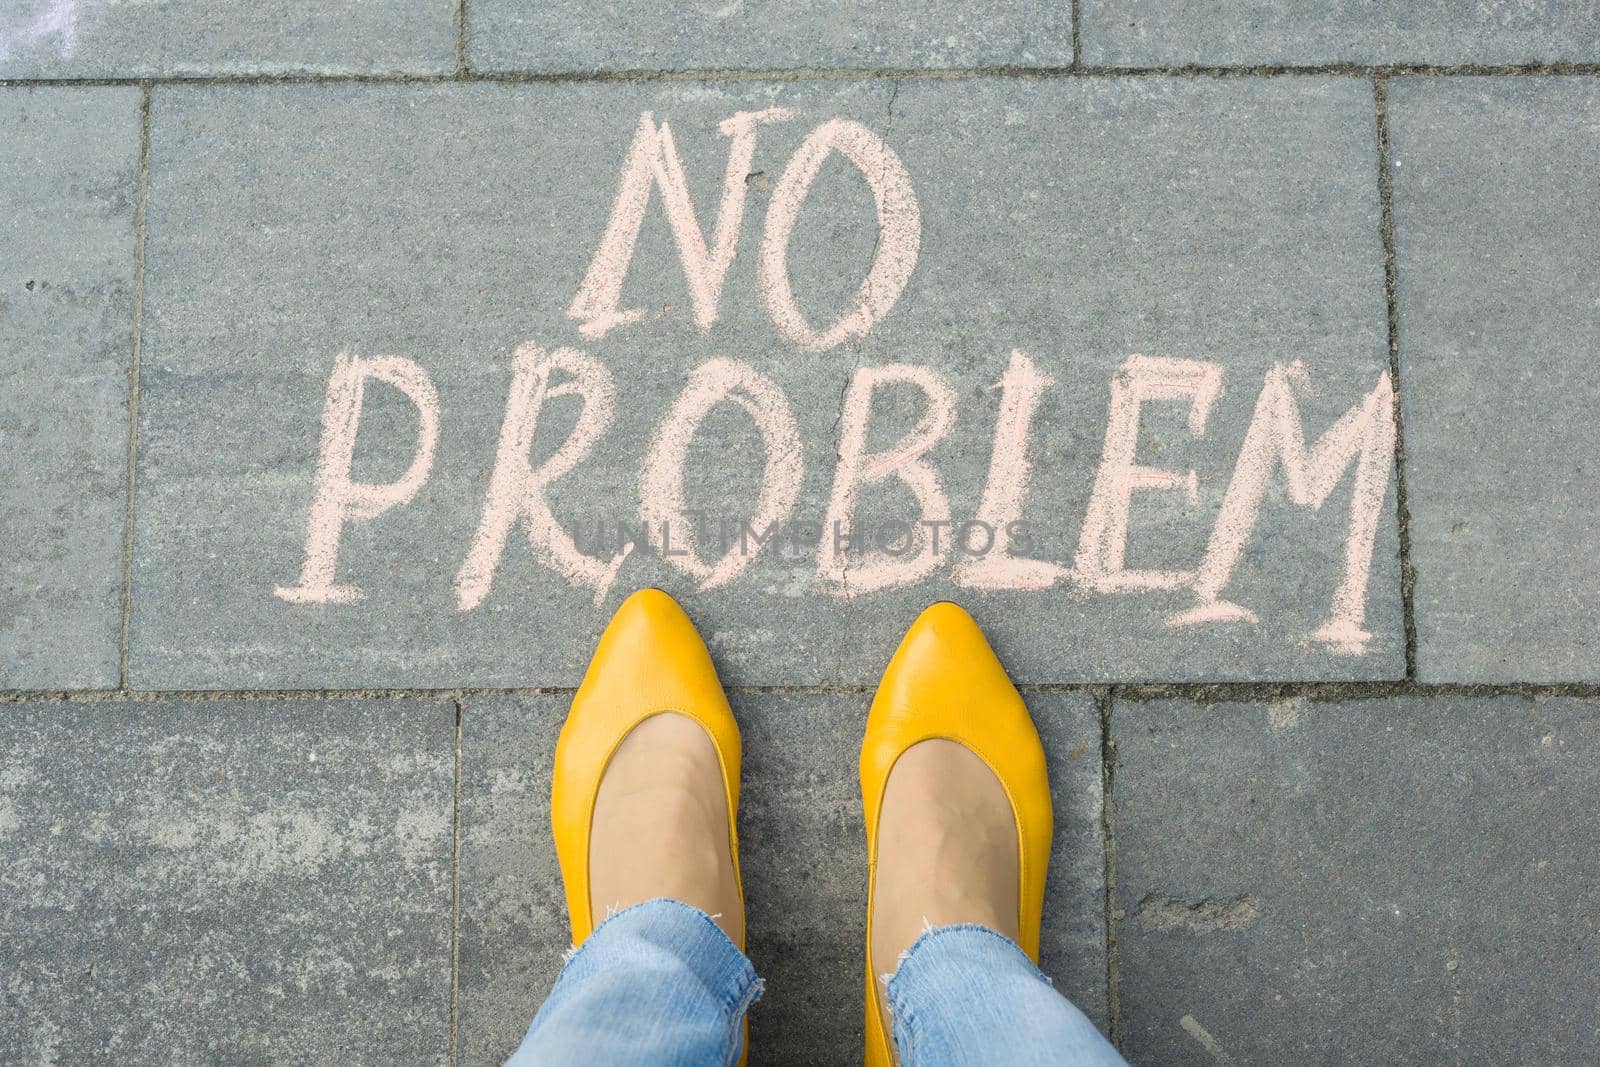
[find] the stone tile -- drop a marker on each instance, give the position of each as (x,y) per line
(766,35)
(804,866)
(1072,948)
(1385,881)
(238,881)
(513,914)
(178,38)
(69,161)
(1497,232)
(805,873)
(1078,221)
(1153,33)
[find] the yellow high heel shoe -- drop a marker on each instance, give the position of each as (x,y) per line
(945,682)
(650,660)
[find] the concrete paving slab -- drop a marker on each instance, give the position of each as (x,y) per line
(226,881)
(1498,247)
(804,866)
(1394,881)
(571,36)
(1224,229)
(187,38)
(1160,33)
(69,163)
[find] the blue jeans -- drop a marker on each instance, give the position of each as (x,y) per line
(659,984)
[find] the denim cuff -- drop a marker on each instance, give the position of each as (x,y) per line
(957,939)
(684,931)
(930,971)
(658,982)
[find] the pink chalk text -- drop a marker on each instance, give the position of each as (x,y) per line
(847,564)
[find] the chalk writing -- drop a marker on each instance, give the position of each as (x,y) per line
(654,159)
(661,499)
(1006,489)
(852,558)
(339,500)
(516,491)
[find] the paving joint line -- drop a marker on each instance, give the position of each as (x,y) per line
(455,891)
(1108,754)
(1391,282)
(140,203)
(1077,35)
(464,75)
(1206,693)
(459,15)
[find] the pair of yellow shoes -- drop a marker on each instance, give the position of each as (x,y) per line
(943,682)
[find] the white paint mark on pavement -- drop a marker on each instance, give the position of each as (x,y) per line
(1193,1028)
(56,22)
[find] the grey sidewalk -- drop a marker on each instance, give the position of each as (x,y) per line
(1320,709)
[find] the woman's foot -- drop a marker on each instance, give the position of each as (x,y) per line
(645,791)
(954,837)
(660,825)
(947,850)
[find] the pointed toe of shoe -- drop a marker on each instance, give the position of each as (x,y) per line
(944,658)
(649,659)
(946,681)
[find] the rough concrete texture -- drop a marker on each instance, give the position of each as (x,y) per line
(1385,881)
(1402,873)
(1079,221)
(240,881)
(1160,33)
(184,38)
(513,914)
(767,35)
(69,166)
(1497,236)
(803,862)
